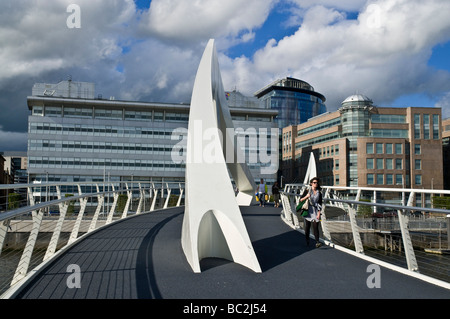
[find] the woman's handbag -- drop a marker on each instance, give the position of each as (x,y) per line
(303,207)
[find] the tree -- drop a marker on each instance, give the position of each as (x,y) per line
(71,204)
(13,200)
(121,202)
(364,210)
(442,202)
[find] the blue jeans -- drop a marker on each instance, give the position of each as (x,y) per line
(262,198)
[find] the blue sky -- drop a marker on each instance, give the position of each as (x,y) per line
(396,52)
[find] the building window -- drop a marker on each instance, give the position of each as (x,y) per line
(418,179)
(108,114)
(38,110)
(418,164)
(417,149)
(389,148)
(389,179)
(417,126)
(370,180)
(336,164)
(426,126)
(336,179)
(158,116)
(398,163)
(380,163)
(379,148)
(388,118)
(369,163)
(389,163)
(398,148)
(380,179)
(369,148)
(53,111)
(435,126)
(398,179)
(389,133)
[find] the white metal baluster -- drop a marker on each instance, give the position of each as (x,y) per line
(166,204)
(22,268)
(286,210)
(129,198)
(4,225)
(407,243)
(155,196)
(101,199)
(181,195)
(141,199)
(113,207)
(323,223)
(293,202)
(76,226)
(57,231)
(356,236)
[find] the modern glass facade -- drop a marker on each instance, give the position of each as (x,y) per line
(93,139)
(355,115)
(295,100)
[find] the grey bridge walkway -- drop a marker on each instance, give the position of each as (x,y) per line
(141,257)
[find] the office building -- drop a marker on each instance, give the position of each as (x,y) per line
(295,100)
(368,146)
(446,151)
(75,136)
(16,163)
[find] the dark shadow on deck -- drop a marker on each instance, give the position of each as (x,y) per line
(146,286)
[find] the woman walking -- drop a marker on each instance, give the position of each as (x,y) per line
(315,207)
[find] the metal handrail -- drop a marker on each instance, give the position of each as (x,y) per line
(147,189)
(290,198)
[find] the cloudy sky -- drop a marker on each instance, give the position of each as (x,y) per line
(394,51)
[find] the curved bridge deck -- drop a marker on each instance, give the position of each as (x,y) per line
(141,257)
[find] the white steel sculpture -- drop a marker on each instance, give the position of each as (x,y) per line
(213,224)
(311,171)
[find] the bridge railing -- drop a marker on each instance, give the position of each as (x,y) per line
(390,225)
(39,219)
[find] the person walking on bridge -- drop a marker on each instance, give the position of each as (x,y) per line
(262,190)
(315,207)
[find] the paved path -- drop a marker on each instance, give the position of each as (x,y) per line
(141,257)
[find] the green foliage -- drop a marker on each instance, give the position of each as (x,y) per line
(121,202)
(364,210)
(13,200)
(71,208)
(442,202)
(173,200)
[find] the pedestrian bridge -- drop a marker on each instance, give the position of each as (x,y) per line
(122,241)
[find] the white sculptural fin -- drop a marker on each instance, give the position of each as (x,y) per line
(213,224)
(311,171)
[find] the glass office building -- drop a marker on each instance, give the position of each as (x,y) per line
(295,100)
(75,136)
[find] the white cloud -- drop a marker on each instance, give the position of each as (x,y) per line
(38,39)
(382,54)
(193,21)
(346,5)
(444,103)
